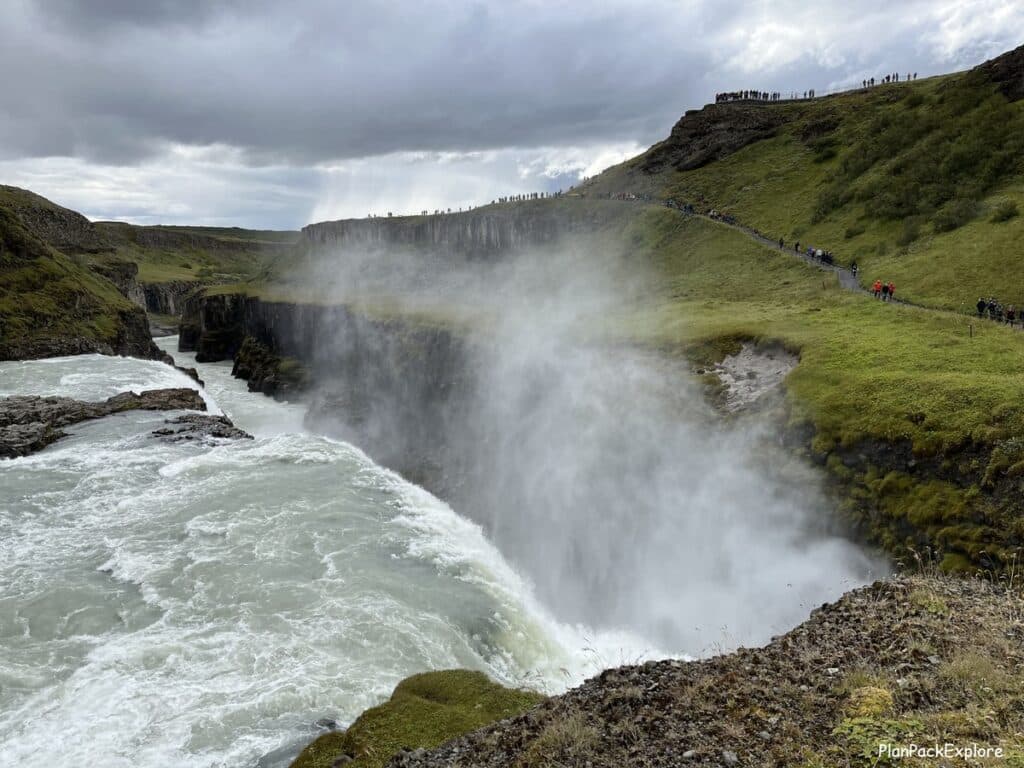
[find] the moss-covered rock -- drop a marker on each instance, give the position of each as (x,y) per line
(424,711)
(51,304)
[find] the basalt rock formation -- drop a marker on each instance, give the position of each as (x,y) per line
(124,276)
(266,371)
(1007,72)
(57,306)
(703,136)
(482,233)
(168,298)
(28,423)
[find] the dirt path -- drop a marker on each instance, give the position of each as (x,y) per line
(846,277)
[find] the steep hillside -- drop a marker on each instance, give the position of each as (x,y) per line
(156,267)
(61,228)
(52,304)
(920,183)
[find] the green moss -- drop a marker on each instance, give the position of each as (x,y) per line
(425,710)
(46,296)
(869,701)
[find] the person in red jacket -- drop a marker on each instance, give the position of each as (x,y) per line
(892,290)
(877,288)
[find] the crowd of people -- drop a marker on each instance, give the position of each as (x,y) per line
(994,310)
(752,96)
(770,96)
(815,254)
(892,78)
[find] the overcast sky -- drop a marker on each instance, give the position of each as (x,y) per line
(268,114)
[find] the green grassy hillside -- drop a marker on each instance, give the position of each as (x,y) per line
(196,254)
(917,415)
(52,304)
(919,182)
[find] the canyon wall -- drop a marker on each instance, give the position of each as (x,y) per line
(483,232)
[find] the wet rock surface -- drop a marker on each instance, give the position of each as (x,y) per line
(198,426)
(751,374)
(29,423)
(266,371)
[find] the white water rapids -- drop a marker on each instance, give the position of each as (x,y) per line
(197,604)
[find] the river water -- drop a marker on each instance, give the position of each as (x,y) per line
(203,605)
(198,604)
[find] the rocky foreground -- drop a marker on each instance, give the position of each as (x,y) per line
(915,660)
(29,423)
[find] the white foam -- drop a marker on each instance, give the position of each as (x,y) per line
(255,586)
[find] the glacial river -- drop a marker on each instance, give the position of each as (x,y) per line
(197,604)
(204,605)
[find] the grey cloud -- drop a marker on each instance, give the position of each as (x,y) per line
(117,83)
(307,81)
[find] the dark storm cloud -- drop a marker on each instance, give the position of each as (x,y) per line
(194,110)
(112,80)
(314,80)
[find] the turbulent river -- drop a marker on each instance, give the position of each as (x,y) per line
(197,605)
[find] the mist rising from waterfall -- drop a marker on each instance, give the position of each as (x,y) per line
(596,467)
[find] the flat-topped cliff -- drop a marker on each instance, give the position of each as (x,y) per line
(483,232)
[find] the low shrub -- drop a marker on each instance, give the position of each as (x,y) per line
(954,215)
(1005,211)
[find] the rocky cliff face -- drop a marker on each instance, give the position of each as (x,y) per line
(388,386)
(482,233)
(123,274)
(703,136)
(167,298)
(1007,72)
(59,306)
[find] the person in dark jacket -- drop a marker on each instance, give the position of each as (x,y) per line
(981,305)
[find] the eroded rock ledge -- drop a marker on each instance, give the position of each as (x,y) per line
(29,423)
